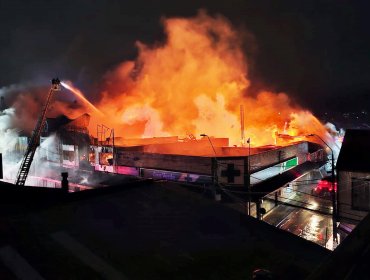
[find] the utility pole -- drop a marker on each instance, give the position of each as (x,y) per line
(333,190)
(114,153)
(242,125)
(249,176)
(214,169)
(2,104)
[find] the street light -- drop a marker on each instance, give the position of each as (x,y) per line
(209,139)
(215,179)
(333,186)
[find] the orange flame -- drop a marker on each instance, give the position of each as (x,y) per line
(195,83)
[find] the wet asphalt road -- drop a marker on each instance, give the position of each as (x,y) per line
(299,211)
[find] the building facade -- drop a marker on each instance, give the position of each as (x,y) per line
(353,173)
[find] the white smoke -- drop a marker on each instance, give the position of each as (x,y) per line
(4,91)
(13,147)
(8,135)
(8,141)
(153,124)
(336,137)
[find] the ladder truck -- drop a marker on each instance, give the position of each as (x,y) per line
(35,138)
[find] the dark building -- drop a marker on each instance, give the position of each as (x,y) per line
(353,170)
(72,143)
(3,105)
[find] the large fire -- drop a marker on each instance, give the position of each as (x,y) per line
(195,83)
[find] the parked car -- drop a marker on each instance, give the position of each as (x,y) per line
(324,187)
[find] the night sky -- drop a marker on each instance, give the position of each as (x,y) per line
(316,51)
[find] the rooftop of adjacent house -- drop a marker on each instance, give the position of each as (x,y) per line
(142,231)
(355,152)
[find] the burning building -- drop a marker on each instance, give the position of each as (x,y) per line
(194,82)
(200,161)
(72,141)
(64,144)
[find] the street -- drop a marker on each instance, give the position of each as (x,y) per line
(296,209)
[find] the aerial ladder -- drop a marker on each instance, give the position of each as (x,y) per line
(35,138)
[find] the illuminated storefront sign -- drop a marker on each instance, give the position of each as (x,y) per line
(175,176)
(272,171)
